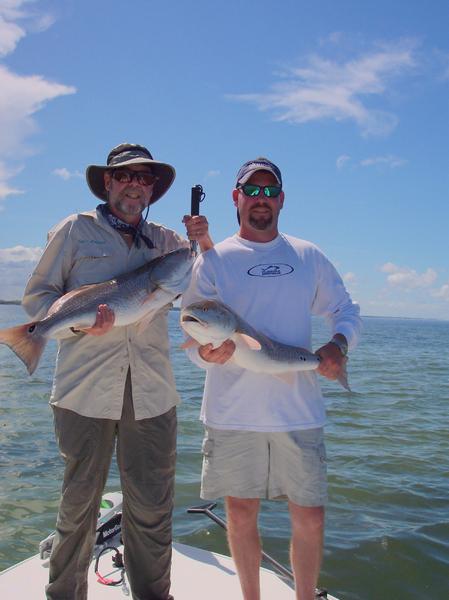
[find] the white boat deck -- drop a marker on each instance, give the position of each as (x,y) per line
(196,575)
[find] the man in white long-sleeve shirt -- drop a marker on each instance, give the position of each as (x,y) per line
(264,437)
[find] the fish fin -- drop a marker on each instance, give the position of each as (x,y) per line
(24,344)
(249,341)
(189,343)
(287,377)
(343,378)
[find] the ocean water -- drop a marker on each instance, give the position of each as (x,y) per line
(387,522)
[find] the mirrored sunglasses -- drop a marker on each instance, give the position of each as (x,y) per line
(142,177)
(270,191)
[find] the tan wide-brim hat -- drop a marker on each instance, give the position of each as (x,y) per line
(123,156)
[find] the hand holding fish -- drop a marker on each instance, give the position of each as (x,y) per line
(197,229)
(219,355)
(104,321)
(333,363)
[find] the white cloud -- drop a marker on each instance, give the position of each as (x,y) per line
(42,23)
(389,160)
(411,307)
(7,173)
(335,37)
(22,95)
(12,11)
(65,174)
(213,173)
(349,277)
(342,160)
(407,278)
(443,64)
(442,292)
(325,89)
(10,35)
(20,254)
(16,265)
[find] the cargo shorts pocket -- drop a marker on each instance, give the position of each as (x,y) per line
(207,447)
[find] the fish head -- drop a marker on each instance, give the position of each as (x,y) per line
(172,271)
(208,322)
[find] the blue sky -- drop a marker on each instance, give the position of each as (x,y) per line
(349,98)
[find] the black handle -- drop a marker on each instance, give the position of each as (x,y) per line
(197,197)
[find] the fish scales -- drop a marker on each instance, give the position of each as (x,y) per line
(273,350)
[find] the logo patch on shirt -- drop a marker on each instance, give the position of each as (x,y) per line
(270,270)
(91,242)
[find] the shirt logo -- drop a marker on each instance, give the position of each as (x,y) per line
(91,242)
(270,270)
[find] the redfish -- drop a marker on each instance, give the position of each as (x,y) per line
(134,297)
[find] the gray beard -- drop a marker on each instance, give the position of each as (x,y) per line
(136,210)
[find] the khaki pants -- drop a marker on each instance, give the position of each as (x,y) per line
(146,453)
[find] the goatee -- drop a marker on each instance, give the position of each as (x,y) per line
(260,222)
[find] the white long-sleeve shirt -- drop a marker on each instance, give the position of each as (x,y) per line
(276,287)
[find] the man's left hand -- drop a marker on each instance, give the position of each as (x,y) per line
(332,361)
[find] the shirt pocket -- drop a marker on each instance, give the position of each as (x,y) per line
(93,264)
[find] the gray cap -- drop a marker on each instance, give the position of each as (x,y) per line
(259,164)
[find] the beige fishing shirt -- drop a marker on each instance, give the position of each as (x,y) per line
(91,370)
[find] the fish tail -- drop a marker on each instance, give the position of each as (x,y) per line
(343,378)
(26,343)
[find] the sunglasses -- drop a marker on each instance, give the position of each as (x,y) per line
(270,191)
(142,177)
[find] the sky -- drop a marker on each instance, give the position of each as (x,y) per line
(348,98)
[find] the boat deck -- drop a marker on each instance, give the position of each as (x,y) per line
(196,575)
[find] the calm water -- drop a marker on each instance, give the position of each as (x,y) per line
(387,535)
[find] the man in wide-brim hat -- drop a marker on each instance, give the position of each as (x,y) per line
(122,157)
(113,385)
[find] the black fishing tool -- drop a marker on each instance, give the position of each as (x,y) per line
(198,196)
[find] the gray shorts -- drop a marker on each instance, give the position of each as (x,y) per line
(274,465)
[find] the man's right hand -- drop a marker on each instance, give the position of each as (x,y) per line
(218,355)
(104,321)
